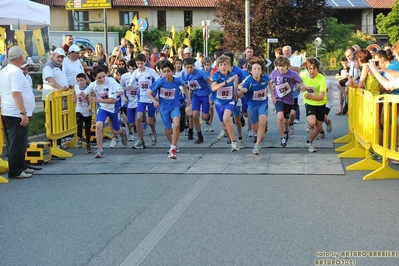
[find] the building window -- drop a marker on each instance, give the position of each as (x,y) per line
(126,17)
(161,20)
(188,18)
(75,18)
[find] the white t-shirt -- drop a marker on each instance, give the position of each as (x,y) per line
(295,61)
(72,69)
(81,101)
(331,85)
(143,80)
(12,80)
(52,71)
(130,94)
(104,91)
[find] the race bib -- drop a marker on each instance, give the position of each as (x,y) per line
(283,89)
(132,92)
(103,96)
(81,99)
(311,90)
(259,95)
(225,93)
(168,94)
(194,85)
(144,85)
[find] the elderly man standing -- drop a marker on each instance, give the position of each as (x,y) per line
(17,105)
(54,78)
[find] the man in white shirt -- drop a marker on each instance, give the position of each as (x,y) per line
(72,65)
(17,105)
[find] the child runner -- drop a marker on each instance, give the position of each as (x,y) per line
(143,77)
(282,94)
(224,91)
(314,98)
(82,111)
(168,88)
(207,68)
(104,92)
(255,87)
(131,95)
(197,81)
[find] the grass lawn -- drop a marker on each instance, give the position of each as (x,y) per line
(37,124)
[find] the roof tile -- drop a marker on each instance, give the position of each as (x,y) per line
(380,4)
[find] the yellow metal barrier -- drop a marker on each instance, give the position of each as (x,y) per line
(364,128)
(60,120)
(348,138)
(3,180)
(389,104)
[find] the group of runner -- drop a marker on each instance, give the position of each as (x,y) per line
(180,94)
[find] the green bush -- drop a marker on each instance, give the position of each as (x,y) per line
(37,124)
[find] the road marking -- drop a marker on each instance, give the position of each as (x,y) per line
(145,247)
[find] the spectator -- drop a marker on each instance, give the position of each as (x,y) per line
(102,57)
(17,105)
(68,41)
(249,51)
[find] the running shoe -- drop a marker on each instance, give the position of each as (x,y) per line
(221,135)
(79,143)
(207,128)
(138,145)
(234,146)
(199,141)
(296,121)
(329,126)
(375,156)
(283,142)
(29,171)
(177,150)
(211,128)
(130,137)
(172,154)
(256,150)
(153,139)
(114,142)
(124,138)
(240,144)
(291,130)
(310,147)
(286,136)
(250,133)
(190,135)
(308,129)
(99,154)
(88,148)
(62,147)
(321,135)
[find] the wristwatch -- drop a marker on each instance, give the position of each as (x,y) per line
(23,113)
(225,82)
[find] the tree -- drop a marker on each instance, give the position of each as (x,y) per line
(389,24)
(293,22)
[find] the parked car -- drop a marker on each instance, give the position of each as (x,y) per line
(84,42)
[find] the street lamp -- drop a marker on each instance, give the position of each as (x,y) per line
(205,24)
(317,43)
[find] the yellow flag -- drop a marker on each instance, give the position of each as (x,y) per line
(170,41)
(132,34)
(186,41)
(20,36)
(38,38)
(2,40)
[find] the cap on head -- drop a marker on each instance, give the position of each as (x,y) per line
(73,48)
(59,51)
(15,53)
(188,50)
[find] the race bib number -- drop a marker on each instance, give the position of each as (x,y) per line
(132,92)
(103,96)
(311,90)
(81,99)
(144,85)
(194,85)
(225,93)
(259,95)
(283,89)
(168,94)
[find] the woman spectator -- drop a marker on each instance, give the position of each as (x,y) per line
(102,57)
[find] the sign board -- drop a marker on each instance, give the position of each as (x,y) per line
(272,40)
(87,4)
(143,25)
(333,62)
(268,62)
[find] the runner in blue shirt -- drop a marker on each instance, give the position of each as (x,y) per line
(199,84)
(169,103)
(224,91)
(255,87)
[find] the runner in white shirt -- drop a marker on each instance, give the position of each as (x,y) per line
(143,77)
(104,92)
(131,95)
